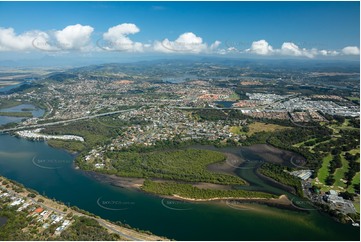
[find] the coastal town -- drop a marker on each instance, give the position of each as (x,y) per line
(180,120)
(93,115)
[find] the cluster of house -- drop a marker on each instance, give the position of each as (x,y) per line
(46,217)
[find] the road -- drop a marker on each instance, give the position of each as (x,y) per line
(65,121)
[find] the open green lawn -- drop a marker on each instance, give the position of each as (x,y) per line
(323,171)
(345,123)
(355,151)
(355,180)
(301,143)
(259,127)
(340,172)
(233,97)
(236,130)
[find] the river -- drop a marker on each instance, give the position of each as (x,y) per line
(51,172)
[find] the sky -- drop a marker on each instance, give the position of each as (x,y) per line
(309,30)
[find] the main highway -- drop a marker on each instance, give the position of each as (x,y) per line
(65,121)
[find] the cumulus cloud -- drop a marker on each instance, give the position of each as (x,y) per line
(74,37)
(329,52)
(185,43)
(351,50)
(116,38)
(10,41)
(291,49)
(260,47)
(78,37)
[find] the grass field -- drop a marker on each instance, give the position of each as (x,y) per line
(259,127)
(236,130)
(233,97)
(354,151)
(340,172)
(355,180)
(301,143)
(323,171)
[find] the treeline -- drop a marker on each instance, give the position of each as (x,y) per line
(277,173)
(185,165)
(216,114)
(189,191)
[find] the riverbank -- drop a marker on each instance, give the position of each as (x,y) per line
(35,134)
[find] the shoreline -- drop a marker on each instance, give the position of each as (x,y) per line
(282,198)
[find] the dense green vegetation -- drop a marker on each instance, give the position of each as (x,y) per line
(16,221)
(69,145)
(277,173)
(17,114)
(95,132)
(217,114)
(185,165)
(91,130)
(87,229)
(189,191)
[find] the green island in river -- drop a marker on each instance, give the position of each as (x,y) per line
(17,114)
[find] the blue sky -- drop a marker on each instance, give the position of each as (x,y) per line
(299,29)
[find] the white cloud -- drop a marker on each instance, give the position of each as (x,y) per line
(260,47)
(74,37)
(329,52)
(289,48)
(185,43)
(215,45)
(116,38)
(10,41)
(78,37)
(351,50)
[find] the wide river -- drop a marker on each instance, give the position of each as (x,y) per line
(50,171)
